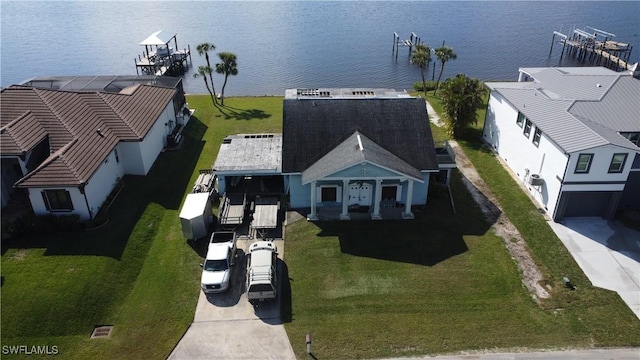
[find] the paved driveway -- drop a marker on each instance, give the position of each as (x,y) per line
(226,326)
(607,252)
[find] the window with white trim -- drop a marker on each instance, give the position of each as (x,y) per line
(520,119)
(329,193)
(536,136)
(57,200)
(617,163)
(584,163)
(527,128)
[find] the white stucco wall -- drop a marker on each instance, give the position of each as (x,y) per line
(138,157)
(520,153)
(598,172)
(556,168)
(103,181)
(39,208)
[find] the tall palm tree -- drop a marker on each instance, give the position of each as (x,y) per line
(204,71)
(421,57)
(203,49)
(444,54)
(228,66)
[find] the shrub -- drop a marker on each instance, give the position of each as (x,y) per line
(417,86)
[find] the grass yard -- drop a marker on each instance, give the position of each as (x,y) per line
(137,273)
(442,283)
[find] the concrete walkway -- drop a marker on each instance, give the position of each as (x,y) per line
(607,252)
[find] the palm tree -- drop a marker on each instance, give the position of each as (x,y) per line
(422,57)
(444,54)
(203,71)
(461,97)
(228,66)
(203,49)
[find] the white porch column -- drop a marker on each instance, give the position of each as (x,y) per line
(407,214)
(313,216)
(376,201)
(345,201)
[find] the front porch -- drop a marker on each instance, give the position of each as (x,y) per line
(365,213)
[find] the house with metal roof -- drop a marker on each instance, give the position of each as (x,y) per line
(346,150)
(68,148)
(572,136)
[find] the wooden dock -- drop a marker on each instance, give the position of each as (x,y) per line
(410,43)
(595,46)
(161,58)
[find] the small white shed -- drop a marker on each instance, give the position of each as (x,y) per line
(196,216)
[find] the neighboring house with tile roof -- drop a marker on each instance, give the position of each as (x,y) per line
(572,136)
(69,148)
(346,148)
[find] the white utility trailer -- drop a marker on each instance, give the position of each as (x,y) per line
(196,216)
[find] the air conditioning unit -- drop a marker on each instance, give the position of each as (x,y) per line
(535,180)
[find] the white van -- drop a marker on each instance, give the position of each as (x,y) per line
(262,279)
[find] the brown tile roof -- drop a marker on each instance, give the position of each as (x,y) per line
(71,121)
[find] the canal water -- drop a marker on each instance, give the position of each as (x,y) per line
(289,44)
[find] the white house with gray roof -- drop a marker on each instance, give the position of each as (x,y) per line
(572,136)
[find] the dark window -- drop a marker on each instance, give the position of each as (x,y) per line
(527,128)
(584,163)
(520,119)
(617,163)
(634,137)
(329,194)
(389,193)
(536,136)
(117,157)
(57,200)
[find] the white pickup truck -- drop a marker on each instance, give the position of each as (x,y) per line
(221,256)
(262,279)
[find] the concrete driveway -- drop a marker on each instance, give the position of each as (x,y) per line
(607,252)
(226,326)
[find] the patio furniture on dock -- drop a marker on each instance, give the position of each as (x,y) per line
(160,58)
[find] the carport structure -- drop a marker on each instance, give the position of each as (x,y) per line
(249,166)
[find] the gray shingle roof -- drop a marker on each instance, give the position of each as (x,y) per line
(577,109)
(71,121)
(349,153)
(313,127)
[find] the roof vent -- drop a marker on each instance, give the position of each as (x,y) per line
(226,141)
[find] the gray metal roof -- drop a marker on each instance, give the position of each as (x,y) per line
(619,109)
(577,109)
(355,150)
(250,153)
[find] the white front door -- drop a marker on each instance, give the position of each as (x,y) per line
(360,194)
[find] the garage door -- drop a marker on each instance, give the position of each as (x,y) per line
(588,203)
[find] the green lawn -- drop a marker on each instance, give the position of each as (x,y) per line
(137,273)
(438,284)
(442,283)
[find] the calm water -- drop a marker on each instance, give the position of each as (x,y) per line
(300,44)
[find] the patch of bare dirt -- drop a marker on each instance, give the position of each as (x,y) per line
(531,276)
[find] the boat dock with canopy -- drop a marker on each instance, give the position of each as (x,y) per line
(161,55)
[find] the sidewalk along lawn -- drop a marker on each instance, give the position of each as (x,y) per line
(137,273)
